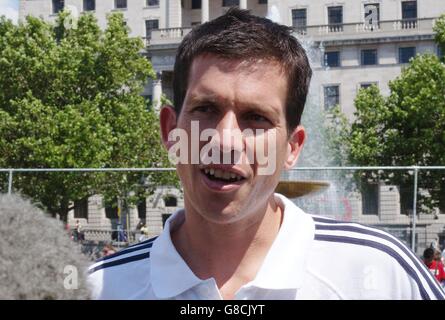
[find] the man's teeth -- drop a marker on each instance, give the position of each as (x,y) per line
(226,175)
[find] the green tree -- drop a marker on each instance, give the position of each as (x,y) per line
(439,29)
(407,128)
(70,98)
(336,132)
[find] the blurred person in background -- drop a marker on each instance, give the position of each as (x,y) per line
(432,259)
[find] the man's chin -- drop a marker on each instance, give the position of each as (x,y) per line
(220,212)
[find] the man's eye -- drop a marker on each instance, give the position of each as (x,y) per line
(203,109)
(256,117)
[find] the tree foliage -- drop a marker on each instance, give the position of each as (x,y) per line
(439,29)
(70,97)
(406,128)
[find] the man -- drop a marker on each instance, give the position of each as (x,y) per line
(246,77)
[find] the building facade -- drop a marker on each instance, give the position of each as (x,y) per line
(360,42)
(356,43)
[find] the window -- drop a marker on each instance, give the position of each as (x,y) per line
(332,59)
(230,3)
(147,99)
(152,3)
(409,14)
(58,5)
(369,57)
(409,10)
(81,208)
(170,201)
(366,85)
(262,1)
(370,199)
(331,96)
(299,19)
(142,209)
(335,18)
(405,54)
(406,200)
(111,209)
(149,26)
(120,4)
(441,203)
(89,5)
(196,4)
(372,15)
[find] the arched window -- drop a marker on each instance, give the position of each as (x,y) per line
(170,201)
(142,209)
(111,209)
(81,208)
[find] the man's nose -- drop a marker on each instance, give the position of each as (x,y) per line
(229,137)
(227,122)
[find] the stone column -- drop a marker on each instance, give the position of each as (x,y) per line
(243,4)
(167,14)
(157,91)
(204,11)
(173,14)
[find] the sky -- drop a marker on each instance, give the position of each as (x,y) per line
(10,9)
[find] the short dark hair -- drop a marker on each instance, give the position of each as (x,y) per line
(240,35)
(428,254)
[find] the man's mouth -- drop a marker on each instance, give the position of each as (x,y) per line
(222,175)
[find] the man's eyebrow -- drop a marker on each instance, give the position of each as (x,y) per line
(196,99)
(250,106)
(261,107)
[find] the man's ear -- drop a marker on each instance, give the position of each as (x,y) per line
(294,146)
(168,123)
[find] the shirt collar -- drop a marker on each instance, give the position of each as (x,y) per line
(170,275)
(283,267)
(285,263)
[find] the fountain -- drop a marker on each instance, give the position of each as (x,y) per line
(295,189)
(316,192)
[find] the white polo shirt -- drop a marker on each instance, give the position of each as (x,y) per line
(311,258)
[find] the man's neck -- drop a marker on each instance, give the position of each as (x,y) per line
(232,253)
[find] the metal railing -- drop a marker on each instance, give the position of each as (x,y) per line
(12,171)
(413,171)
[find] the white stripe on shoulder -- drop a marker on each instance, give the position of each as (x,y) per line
(385,234)
(407,256)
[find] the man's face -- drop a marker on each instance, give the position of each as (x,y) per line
(232,97)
